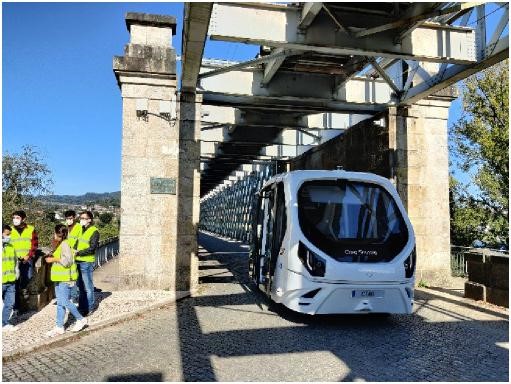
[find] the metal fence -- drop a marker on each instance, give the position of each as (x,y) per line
(228,212)
(459,259)
(107,250)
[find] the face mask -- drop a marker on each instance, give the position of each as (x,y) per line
(69,221)
(83,223)
(6,239)
(16,222)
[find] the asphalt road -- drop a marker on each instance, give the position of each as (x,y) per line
(230,332)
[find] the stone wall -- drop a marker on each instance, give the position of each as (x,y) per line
(363,147)
(488,278)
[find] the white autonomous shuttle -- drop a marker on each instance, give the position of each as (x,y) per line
(333,242)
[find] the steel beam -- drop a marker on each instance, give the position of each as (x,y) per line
(309,12)
(363,92)
(278,27)
(281,54)
(455,73)
(384,75)
(414,19)
(196,21)
(290,104)
(271,68)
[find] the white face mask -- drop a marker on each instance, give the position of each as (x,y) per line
(16,222)
(83,223)
(69,221)
(6,239)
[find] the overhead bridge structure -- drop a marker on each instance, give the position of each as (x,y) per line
(365,86)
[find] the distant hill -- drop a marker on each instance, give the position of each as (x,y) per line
(106,199)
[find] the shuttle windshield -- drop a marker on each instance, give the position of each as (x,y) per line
(351,221)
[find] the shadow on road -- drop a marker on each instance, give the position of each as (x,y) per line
(375,348)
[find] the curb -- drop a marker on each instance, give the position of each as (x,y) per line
(69,337)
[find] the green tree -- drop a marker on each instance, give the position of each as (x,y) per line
(106,217)
(26,176)
(481,146)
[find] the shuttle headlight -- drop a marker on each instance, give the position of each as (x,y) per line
(409,264)
(314,263)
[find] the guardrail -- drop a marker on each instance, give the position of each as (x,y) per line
(107,250)
(459,258)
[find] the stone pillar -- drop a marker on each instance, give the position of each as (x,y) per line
(189,117)
(152,207)
(421,172)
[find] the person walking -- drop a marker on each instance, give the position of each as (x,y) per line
(88,241)
(9,268)
(73,228)
(25,242)
(64,275)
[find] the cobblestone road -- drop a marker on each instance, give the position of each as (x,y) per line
(230,333)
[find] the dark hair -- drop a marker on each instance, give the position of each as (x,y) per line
(88,213)
(70,213)
(61,230)
(5,226)
(21,214)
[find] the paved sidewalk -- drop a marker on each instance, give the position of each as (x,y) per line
(112,306)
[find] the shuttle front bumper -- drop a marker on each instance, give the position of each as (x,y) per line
(350,298)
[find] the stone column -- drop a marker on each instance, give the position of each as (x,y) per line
(421,172)
(151,186)
(189,117)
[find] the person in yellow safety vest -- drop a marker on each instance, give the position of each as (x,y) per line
(9,267)
(64,274)
(25,242)
(73,228)
(88,241)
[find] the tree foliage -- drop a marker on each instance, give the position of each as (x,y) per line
(481,146)
(26,176)
(106,217)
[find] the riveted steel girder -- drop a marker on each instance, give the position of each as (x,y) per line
(279,27)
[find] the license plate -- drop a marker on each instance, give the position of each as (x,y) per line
(369,293)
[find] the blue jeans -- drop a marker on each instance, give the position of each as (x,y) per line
(62,291)
(8,296)
(85,286)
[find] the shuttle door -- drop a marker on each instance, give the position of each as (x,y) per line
(267,238)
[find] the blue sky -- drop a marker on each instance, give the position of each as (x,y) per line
(59,91)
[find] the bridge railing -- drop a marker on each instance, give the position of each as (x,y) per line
(461,255)
(107,250)
(229,211)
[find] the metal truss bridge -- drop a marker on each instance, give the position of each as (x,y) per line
(321,68)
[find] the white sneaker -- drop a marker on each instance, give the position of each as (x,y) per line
(8,327)
(55,332)
(79,325)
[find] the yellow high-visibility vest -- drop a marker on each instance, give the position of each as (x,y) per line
(22,243)
(8,264)
(84,243)
(73,235)
(60,273)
